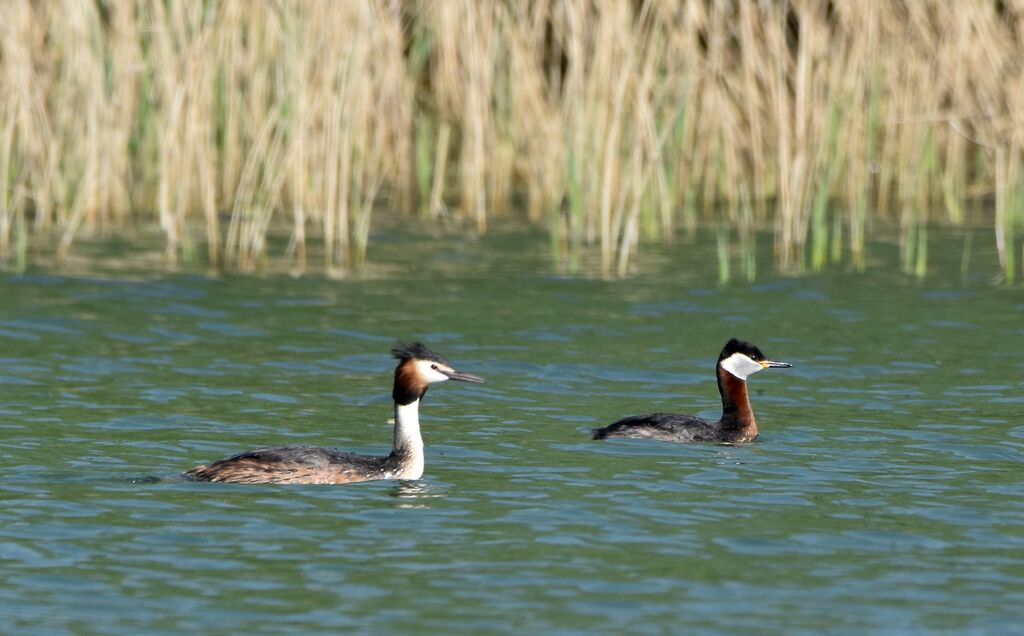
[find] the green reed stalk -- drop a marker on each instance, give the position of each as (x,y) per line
(832,160)
(724,273)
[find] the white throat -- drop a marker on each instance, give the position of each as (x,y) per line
(408,441)
(741,366)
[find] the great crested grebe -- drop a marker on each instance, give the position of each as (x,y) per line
(736,363)
(418,368)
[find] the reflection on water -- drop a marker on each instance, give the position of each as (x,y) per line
(416,494)
(882,496)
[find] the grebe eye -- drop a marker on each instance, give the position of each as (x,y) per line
(434,367)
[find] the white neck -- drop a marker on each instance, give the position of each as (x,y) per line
(408,441)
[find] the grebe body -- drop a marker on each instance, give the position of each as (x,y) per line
(418,368)
(738,361)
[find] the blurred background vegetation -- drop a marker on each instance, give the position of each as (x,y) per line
(611,124)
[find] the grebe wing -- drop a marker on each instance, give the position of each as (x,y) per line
(290,465)
(669,427)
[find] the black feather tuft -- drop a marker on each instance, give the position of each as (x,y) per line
(739,346)
(417,350)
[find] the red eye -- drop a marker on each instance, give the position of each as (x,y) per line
(434,367)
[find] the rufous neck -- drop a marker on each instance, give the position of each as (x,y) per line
(736,411)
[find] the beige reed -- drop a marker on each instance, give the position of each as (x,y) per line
(614,123)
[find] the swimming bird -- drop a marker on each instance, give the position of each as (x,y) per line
(738,361)
(417,369)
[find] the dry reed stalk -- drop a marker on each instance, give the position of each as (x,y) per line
(466,41)
(29,145)
(355,128)
(440,169)
(182,42)
(618,121)
(98,82)
(533,84)
(857,133)
(614,147)
(255,198)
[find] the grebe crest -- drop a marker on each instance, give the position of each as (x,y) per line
(417,369)
(737,362)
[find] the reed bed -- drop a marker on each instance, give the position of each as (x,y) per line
(613,123)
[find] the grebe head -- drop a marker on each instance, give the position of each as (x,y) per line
(419,367)
(743,359)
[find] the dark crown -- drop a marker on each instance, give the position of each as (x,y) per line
(405,351)
(739,346)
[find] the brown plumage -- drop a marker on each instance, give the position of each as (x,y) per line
(297,465)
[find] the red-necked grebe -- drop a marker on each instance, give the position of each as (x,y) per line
(736,363)
(418,368)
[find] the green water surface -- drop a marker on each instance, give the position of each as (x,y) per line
(885,494)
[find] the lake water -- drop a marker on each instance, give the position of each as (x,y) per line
(885,494)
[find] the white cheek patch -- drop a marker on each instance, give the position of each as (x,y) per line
(432,376)
(741,366)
